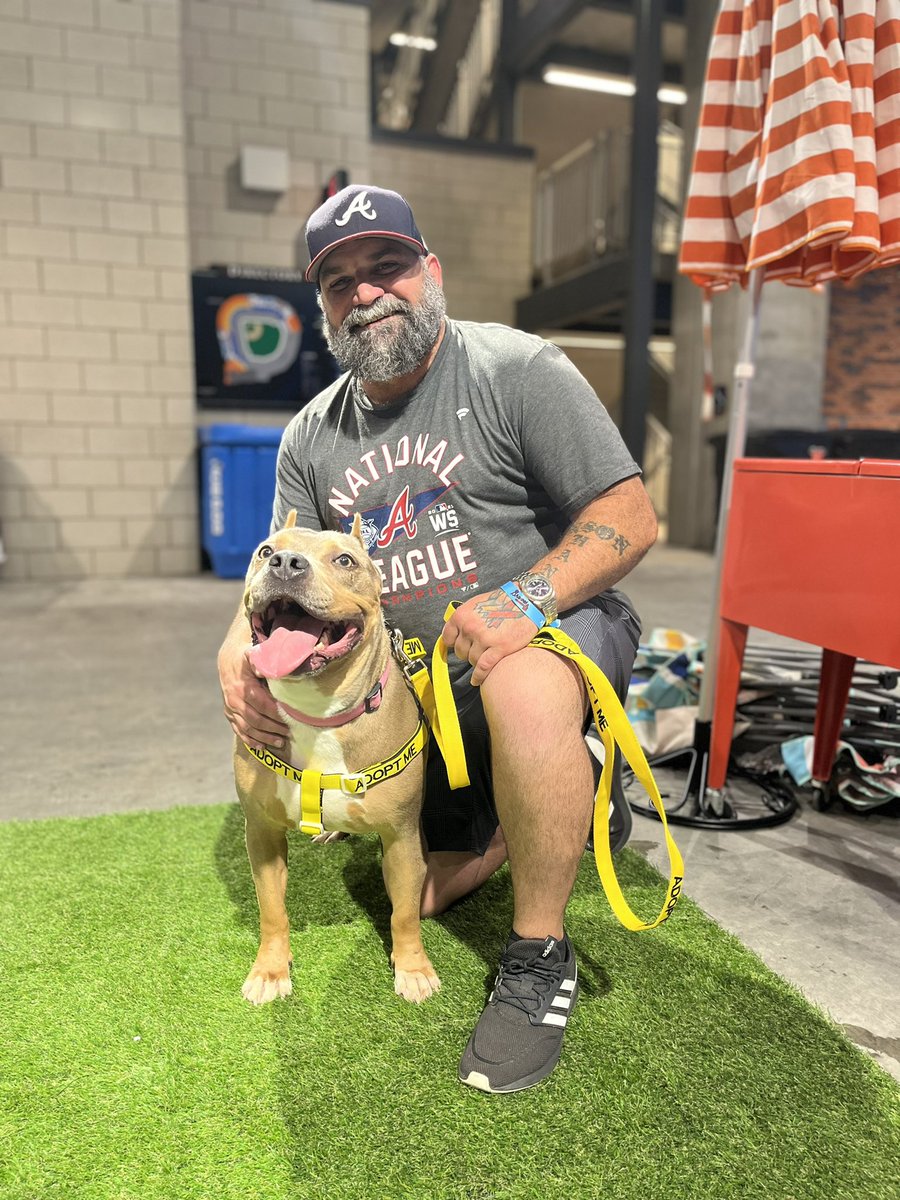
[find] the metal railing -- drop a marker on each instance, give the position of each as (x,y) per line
(582,202)
(656,467)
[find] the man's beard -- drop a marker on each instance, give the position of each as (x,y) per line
(382,353)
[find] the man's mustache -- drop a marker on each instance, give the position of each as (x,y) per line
(384,306)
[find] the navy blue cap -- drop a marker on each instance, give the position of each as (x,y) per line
(359,211)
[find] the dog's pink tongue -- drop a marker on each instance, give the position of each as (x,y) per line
(287,647)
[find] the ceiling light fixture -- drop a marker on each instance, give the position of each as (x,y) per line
(613,85)
(414,42)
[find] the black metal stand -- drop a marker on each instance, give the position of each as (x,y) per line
(708,808)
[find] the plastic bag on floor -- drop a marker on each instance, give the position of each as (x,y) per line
(860,783)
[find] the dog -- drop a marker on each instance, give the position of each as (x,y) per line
(313,605)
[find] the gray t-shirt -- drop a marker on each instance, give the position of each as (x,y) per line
(466,482)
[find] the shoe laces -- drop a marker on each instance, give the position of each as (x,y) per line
(525,983)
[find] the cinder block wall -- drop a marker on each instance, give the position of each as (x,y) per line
(96,388)
(292,74)
(862,368)
(121,123)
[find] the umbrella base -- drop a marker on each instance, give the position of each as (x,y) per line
(704,807)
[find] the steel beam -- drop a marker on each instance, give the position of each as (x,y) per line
(641,290)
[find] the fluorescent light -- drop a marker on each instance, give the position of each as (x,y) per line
(671,95)
(414,42)
(613,85)
(591,81)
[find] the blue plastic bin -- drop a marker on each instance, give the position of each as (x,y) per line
(237,474)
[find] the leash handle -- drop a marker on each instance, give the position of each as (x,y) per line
(612,725)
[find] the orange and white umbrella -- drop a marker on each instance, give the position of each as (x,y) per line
(797,162)
(796,176)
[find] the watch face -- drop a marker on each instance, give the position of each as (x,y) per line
(537,588)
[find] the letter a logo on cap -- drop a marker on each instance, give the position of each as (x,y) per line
(361,204)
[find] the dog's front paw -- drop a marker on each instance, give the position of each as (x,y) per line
(267,982)
(416,985)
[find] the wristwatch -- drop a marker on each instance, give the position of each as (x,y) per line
(540,592)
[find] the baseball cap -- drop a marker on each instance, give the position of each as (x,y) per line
(359,211)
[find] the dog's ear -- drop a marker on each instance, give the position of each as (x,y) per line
(291,519)
(356,528)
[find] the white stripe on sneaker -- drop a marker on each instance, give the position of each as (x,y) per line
(567,985)
(554,1019)
(562,1002)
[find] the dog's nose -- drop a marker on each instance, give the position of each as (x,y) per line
(288,566)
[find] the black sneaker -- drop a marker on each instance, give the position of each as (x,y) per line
(518,1038)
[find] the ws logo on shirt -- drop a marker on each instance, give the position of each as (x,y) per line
(380,526)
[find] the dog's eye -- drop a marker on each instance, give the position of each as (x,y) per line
(345,560)
(265,551)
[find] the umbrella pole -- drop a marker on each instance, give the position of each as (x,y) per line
(736,439)
(703,806)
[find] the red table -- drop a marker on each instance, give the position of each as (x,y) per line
(812,552)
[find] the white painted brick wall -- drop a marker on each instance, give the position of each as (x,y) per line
(270,72)
(97,429)
(121,123)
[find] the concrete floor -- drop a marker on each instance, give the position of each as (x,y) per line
(109,702)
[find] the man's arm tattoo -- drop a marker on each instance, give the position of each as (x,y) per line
(581,534)
(605,533)
(496,609)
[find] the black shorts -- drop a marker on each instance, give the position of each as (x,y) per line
(607,630)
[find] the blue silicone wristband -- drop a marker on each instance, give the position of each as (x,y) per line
(520,600)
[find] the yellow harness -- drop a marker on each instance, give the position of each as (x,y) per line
(313,783)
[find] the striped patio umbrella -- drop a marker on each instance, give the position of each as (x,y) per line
(797,163)
(796,176)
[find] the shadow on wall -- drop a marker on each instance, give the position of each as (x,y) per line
(37,544)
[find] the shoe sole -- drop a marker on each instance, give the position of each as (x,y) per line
(480,1081)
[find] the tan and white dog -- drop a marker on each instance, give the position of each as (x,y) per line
(313,602)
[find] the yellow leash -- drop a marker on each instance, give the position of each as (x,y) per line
(613,727)
(435,697)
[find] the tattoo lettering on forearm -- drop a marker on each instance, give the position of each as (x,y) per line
(580,535)
(495,610)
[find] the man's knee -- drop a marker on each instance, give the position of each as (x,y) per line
(534,690)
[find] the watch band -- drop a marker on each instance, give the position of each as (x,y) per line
(521,601)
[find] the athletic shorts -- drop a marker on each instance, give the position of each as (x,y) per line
(608,630)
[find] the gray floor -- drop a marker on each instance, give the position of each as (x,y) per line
(109,702)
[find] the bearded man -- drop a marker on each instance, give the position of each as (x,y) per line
(486,471)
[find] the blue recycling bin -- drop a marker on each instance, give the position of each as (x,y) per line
(237,476)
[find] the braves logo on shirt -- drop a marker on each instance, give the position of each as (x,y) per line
(382,525)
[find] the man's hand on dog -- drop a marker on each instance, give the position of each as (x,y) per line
(486,629)
(249,706)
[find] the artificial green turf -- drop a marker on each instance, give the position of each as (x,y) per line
(131,1068)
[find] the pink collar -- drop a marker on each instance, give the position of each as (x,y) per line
(371,702)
